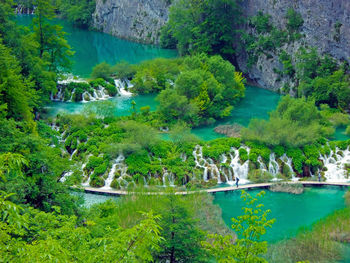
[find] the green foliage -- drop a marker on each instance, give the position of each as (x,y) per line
(321,79)
(53,47)
(258,176)
(243,154)
(155,75)
(79,89)
(62,238)
(279,150)
(206,88)
(288,68)
(79,12)
(295,21)
(124,70)
(298,158)
(17,96)
(335,116)
(294,123)
(249,228)
(102,70)
(262,23)
(203,26)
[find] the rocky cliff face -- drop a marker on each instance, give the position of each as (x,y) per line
(138,20)
(326,27)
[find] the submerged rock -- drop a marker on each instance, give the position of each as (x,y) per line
(229,130)
(287,188)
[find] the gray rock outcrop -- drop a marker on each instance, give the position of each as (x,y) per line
(138,20)
(326,27)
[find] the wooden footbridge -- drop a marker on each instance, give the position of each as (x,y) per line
(102,191)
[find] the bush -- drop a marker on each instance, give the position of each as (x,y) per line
(124,70)
(295,20)
(243,154)
(102,70)
(258,176)
(93,163)
(97,181)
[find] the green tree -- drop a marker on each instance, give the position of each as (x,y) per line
(17,96)
(78,12)
(53,48)
(294,123)
(173,106)
(182,237)
(249,228)
(204,26)
(102,70)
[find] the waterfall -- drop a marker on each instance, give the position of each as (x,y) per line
(71,96)
(240,170)
(274,167)
(59,96)
(74,152)
(111,173)
(87,183)
(65,176)
(91,98)
(200,161)
(262,165)
(168,179)
(335,164)
(288,162)
(121,87)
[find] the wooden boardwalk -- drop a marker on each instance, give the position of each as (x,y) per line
(212,190)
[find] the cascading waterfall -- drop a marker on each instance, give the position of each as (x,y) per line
(111,173)
(262,165)
(288,162)
(274,167)
(335,164)
(201,162)
(88,95)
(120,84)
(71,96)
(65,176)
(73,153)
(228,177)
(168,179)
(240,170)
(59,96)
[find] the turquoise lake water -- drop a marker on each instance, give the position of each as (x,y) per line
(93,47)
(290,211)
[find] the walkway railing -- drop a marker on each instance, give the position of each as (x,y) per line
(212,190)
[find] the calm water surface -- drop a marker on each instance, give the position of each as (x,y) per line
(93,47)
(290,211)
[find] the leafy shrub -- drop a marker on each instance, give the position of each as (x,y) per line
(298,158)
(258,176)
(97,181)
(94,162)
(243,154)
(295,20)
(102,70)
